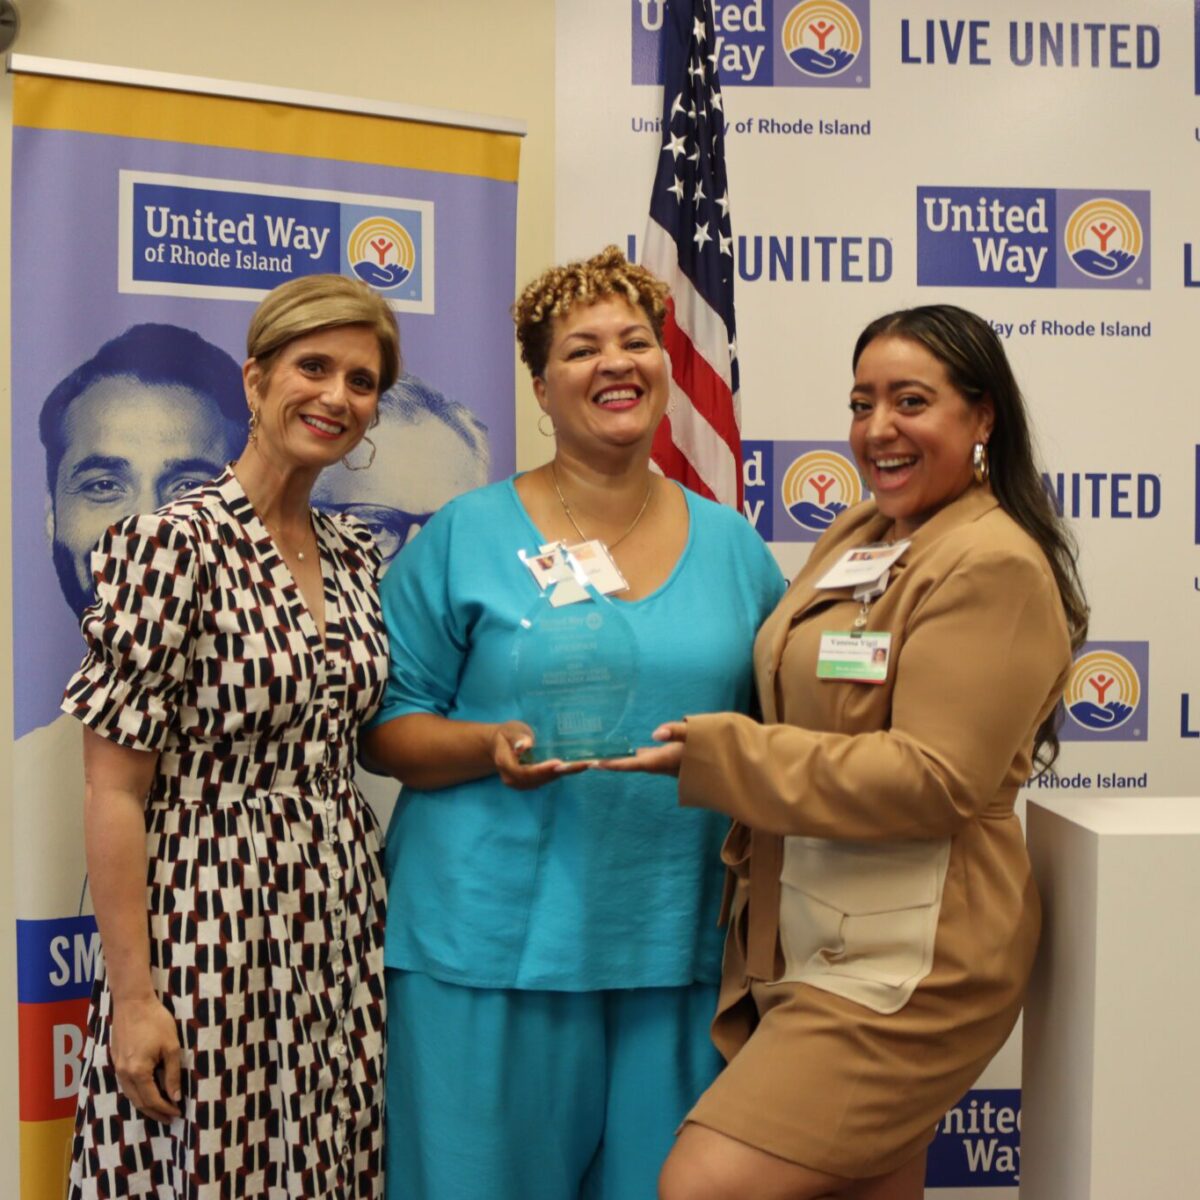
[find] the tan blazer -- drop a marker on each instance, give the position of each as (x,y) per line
(874,823)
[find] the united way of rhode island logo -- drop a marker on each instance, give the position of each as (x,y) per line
(1103,238)
(1030,237)
(821,38)
(1105,695)
(817,486)
(381,252)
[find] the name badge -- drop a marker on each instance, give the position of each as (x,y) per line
(566,569)
(862,564)
(858,657)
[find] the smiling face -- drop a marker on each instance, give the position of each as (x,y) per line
(319,397)
(912,431)
(127,448)
(605,385)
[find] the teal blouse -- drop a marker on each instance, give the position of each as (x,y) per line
(596,880)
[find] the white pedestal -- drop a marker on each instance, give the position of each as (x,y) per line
(1111,1073)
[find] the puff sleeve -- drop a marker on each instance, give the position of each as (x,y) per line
(138,632)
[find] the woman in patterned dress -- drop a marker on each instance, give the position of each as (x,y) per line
(235,1038)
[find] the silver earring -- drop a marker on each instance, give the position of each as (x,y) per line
(370,457)
(541,429)
(980,467)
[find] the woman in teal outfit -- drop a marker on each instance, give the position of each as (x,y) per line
(552,948)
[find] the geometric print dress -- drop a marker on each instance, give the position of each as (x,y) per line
(264,890)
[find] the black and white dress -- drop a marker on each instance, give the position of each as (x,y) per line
(266,901)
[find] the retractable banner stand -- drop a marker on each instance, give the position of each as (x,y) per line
(1038,165)
(147,223)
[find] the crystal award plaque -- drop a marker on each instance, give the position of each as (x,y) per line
(576,672)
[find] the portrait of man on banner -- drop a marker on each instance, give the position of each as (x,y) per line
(156,411)
(428,450)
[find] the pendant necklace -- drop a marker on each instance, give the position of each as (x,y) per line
(277,534)
(575,524)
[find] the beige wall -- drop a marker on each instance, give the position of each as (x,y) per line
(494,58)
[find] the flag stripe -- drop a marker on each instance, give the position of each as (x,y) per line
(704,326)
(708,454)
(707,392)
(689,244)
(672,462)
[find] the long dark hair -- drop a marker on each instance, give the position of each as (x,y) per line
(977,366)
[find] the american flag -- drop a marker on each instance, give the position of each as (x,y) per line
(689,244)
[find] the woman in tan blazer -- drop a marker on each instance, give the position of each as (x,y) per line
(883,919)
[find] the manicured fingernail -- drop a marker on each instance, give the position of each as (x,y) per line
(521,745)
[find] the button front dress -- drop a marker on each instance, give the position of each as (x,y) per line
(264,892)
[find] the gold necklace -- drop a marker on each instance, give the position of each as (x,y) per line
(567,509)
(277,534)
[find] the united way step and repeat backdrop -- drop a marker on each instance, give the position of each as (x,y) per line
(1036,161)
(147,223)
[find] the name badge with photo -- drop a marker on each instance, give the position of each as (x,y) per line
(857,657)
(862,564)
(568,570)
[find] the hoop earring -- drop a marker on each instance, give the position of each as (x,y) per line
(980,467)
(252,427)
(541,429)
(370,457)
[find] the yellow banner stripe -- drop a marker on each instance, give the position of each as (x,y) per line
(45,1158)
(41,102)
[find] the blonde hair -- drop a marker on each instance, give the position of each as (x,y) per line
(556,291)
(312,303)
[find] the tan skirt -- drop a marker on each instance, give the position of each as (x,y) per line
(824,1082)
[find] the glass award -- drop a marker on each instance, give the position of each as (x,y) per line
(576,673)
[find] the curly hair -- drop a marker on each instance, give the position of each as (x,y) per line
(556,291)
